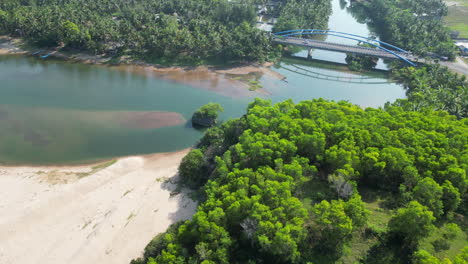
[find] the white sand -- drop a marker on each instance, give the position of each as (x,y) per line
(50,215)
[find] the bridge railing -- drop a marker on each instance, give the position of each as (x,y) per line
(290,33)
(320,41)
(341,33)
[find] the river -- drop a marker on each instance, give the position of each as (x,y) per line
(56,112)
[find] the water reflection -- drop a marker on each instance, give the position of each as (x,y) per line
(336,77)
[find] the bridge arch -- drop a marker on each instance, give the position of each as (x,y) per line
(373,42)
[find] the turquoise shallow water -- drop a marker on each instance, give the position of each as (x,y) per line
(60,112)
(55,112)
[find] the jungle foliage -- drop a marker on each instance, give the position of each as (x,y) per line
(163,31)
(207,115)
(260,172)
(297,14)
(434,87)
(180,30)
(413,25)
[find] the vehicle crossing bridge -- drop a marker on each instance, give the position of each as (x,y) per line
(380,50)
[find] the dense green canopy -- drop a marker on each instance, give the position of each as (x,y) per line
(259,171)
(300,14)
(188,31)
(434,87)
(414,25)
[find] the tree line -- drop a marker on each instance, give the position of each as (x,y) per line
(154,30)
(435,87)
(303,14)
(186,30)
(282,184)
(413,25)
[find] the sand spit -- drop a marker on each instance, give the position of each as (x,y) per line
(10,46)
(88,214)
(150,119)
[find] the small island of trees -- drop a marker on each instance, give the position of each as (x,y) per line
(207,115)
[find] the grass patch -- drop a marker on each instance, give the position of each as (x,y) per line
(255,87)
(86,224)
(376,202)
(96,168)
(314,191)
(162,179)
(364,240)
(440,246)
(127,192)
(457,18)
(130,217)
(252,80)
(357,248)
(103,165)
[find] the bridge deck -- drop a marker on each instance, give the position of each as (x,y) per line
(317,44)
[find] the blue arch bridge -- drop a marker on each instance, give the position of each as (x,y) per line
(380,49)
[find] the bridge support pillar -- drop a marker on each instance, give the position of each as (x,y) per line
(309,53)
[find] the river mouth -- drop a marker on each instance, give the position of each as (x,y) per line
(62,112)
(56,112)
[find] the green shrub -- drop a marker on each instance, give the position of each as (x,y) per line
(192,167)
(207,115)
(440,244)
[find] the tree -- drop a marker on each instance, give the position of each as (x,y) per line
(434,87)
(413,25)
(256,206)
(343,188)
(71,34)
(207,114)
(424,257)
(3,20)
(427,192)
(178,31)
(412,223)
(356,210)
(450,197)
(462,258)
(332,227)
(191,168)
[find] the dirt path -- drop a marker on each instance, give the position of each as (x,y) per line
(63,215)
(458,66)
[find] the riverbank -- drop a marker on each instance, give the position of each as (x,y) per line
(101,213)
(233,81)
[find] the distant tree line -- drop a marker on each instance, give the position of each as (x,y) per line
(155,30)
(187,30)
(434,87)
(303,14)
(413,25)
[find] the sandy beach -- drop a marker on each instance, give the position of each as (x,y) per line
(101,213)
